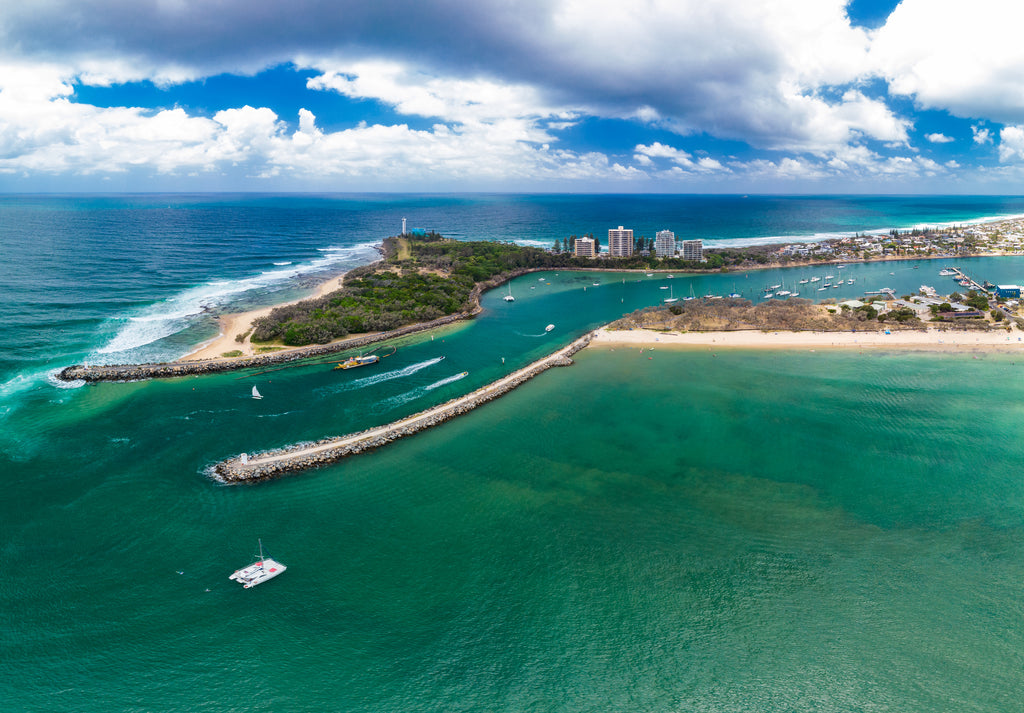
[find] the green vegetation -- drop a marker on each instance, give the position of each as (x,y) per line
(233,353)
(976,300)
(424,277)
(729,314)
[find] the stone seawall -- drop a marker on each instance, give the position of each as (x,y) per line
(139,372)
(272,464)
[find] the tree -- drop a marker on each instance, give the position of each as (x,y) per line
(997,315)
(597,243)
(558,245)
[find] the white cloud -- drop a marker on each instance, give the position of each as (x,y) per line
(966,58)
(789,78)
(1011,144)
(643,155)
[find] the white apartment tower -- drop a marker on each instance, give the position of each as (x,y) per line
(620,242)
(693,250)
(665,243)
(584,247)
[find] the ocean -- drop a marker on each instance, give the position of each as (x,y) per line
(672,530)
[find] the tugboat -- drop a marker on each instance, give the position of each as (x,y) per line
(258,572)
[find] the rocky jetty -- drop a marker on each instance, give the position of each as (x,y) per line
(271,464)
(138,372)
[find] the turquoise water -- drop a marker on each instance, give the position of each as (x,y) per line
(683,530)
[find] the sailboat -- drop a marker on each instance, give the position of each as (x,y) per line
(256,393)
(671,296)
(258,572)
(509,297)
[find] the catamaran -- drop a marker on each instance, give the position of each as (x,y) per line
(509,297)
(256,393)
(259,571)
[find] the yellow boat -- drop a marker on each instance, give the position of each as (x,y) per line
(353,362)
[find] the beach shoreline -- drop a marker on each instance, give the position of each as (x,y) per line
(935,340)
(235,323)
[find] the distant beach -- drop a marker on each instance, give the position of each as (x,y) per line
(931,340)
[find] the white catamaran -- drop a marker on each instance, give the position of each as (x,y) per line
(259,571)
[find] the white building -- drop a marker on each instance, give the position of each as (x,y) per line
(584,247)
(620,242)
(665,243)
(693,250)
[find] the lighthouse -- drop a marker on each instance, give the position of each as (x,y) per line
(403,226)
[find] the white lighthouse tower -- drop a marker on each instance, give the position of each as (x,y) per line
(403,226)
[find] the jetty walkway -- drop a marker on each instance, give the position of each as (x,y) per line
(271,464)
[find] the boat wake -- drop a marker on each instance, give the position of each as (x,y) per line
(449,380)
(396,401)
(379,378)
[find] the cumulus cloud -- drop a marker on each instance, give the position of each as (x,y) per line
(964,58)
(792,79)
(1011,144)
(729,68)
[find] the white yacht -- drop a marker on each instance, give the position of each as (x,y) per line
(509,297)
(259,571)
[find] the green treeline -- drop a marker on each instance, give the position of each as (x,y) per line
(405,288)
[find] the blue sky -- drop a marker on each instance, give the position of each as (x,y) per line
(687,96)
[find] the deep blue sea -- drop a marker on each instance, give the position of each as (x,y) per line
(755,531)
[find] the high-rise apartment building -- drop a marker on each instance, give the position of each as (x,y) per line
(665,243)
(584,247)
(620,242)
(692,250)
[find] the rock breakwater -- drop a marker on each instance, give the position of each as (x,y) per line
(138,372)
(272,464)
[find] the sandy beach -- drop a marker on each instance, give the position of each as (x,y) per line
(240,322)
(931,340)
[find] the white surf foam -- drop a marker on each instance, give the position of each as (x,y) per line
(174,314)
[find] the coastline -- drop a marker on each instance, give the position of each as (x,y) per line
(935,340)
(235,323)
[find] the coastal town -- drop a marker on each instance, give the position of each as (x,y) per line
(975,300)
(1004,237)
